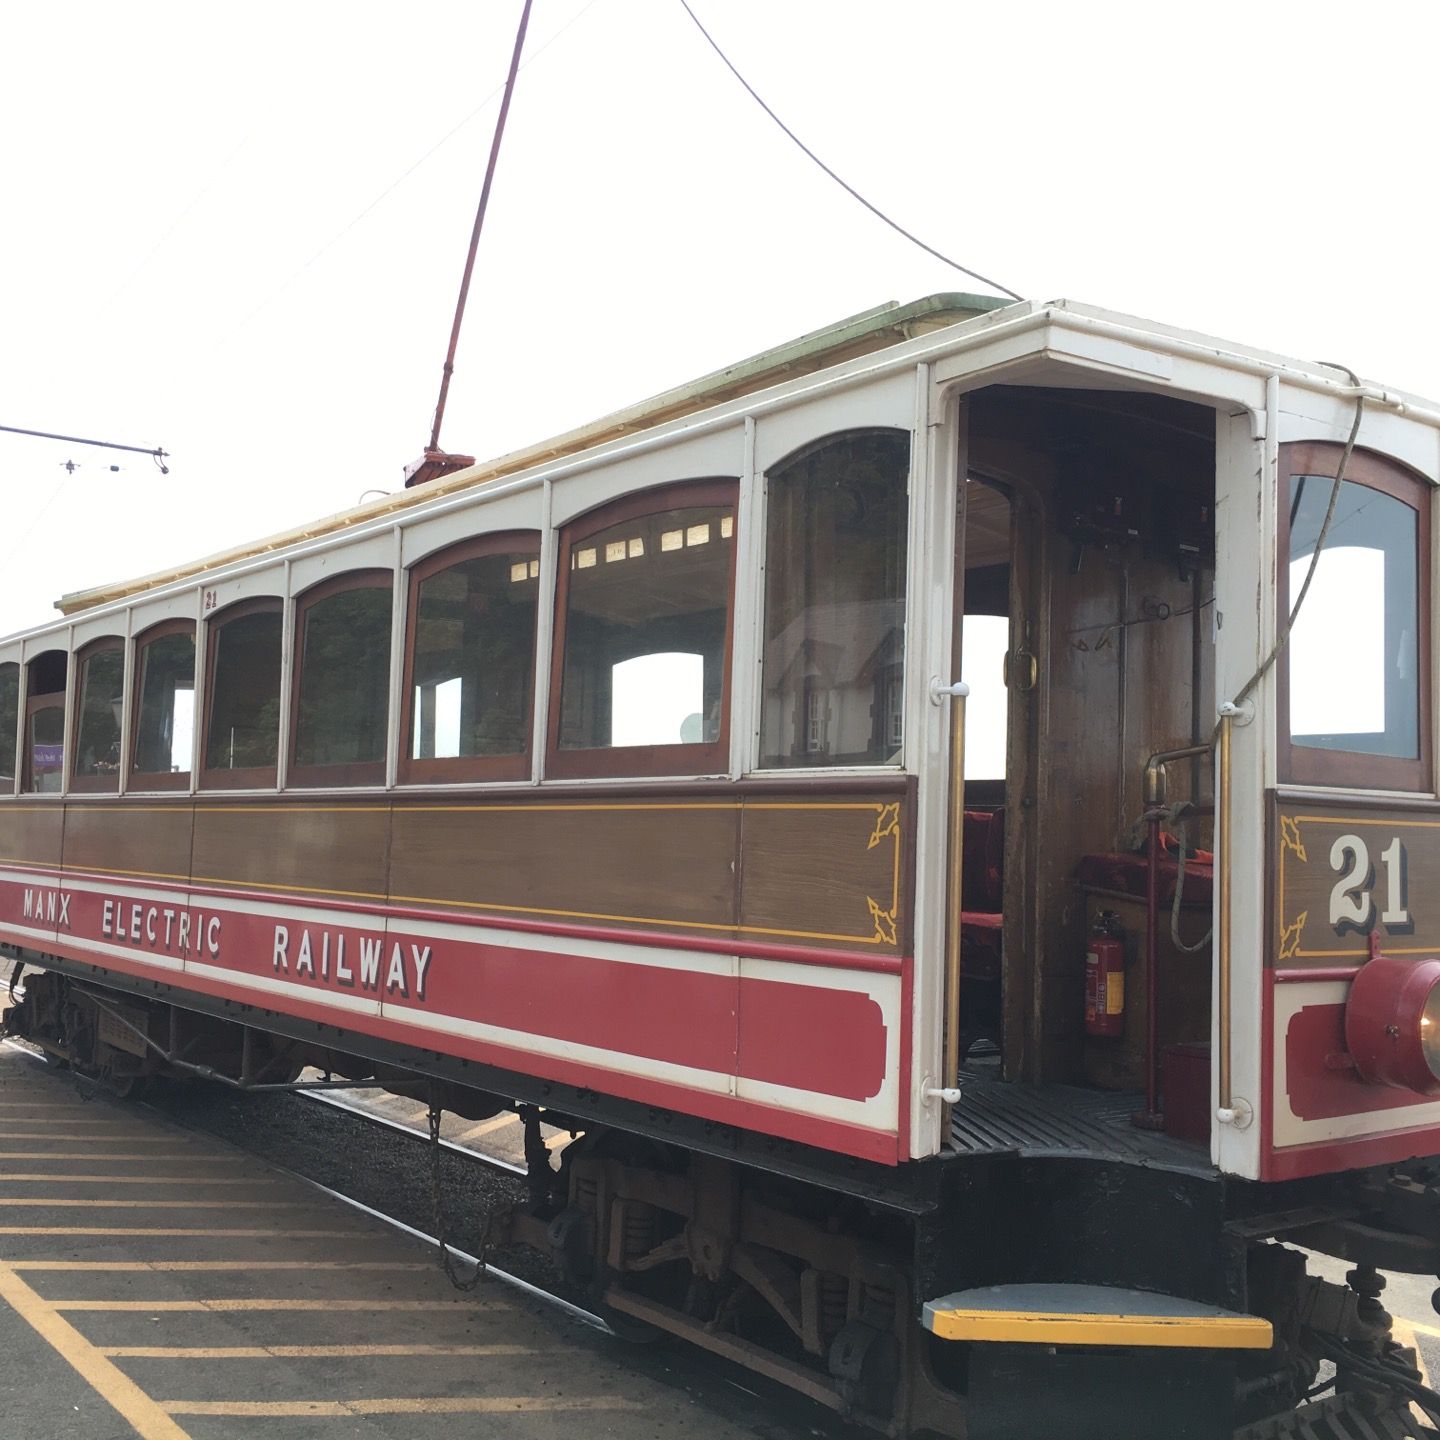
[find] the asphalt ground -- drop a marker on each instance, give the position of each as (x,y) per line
(157,1282)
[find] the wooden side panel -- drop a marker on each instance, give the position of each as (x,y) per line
(325,847)
(31,834)
(648,862)
(826,872)
(148,841)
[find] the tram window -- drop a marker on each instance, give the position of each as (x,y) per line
(98,713)
(165,708)
(242,738)
(835,603)
(9,719)
(343,681)
(43,755)
(470,665)
(1356,687)
(642,654)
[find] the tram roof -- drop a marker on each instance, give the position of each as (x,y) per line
(857,335)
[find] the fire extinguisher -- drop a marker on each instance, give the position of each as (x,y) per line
(1105,978)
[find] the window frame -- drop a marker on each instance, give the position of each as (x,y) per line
(449,769)
(1309,764)
(33,704)
(345,773)
(151,780)
(16,739)
(640,761)
(75,677)
(804,708)
(246,777)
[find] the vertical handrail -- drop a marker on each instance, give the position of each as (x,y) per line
(1223,879)
(953,899)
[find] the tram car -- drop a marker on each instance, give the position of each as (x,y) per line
(885,799)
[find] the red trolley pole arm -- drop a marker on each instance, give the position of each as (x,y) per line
(479,222)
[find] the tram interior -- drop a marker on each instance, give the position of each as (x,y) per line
(1087,642)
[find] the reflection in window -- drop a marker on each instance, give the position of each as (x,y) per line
(1353,652)
(9,718)
(344,678)
(165,724)
(44,754)
(244,731)
(647,615)
(835,603)
(97,730)
(474,658)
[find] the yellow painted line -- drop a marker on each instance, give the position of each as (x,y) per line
(104,1202)
(215,1159)
(437,1405)
(1027,1327)
(51,1120)
(489,1127)
(149,1420)
(230,1306)
(204,1232)
(109,1267)
(52,1178)
(36,1105)
(97,1135)
(302,1352)
(1418,1329)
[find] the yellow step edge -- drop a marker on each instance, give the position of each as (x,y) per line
(1237,1332)
(1070,1314)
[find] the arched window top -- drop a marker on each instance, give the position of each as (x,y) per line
(850,450)
(1354,678)
(341,686)
(640,679)
(470,660)
(242,730)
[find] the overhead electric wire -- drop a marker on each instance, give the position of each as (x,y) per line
(843,184)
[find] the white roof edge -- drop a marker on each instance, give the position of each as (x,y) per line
(550,457)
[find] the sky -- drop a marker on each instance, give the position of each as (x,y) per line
(237,233)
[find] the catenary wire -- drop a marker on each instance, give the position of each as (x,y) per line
(399,180)
(843,184)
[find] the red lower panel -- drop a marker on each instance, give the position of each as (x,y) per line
(1321,1086)
(831,1042)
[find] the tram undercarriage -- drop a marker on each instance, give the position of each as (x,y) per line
(819,1291)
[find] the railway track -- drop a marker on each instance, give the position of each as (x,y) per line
(388,1180)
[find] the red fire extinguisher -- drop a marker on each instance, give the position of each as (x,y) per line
(1105,978)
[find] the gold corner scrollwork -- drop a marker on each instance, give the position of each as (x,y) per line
(1290,936)
(1290,838)
(885,918)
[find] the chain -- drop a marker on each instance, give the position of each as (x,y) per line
(447,1260)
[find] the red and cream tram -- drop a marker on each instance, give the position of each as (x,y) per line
(876,796)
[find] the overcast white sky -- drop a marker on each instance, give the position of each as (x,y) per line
(183,264)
